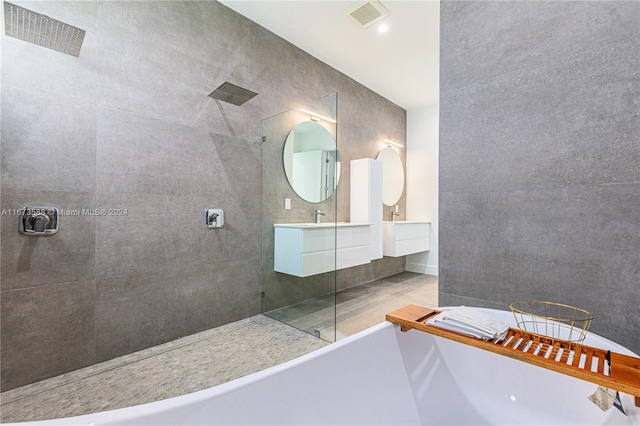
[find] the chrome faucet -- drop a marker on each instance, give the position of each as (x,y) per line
(393,216)
(319,213)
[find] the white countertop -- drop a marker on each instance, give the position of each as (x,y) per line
(405,221)
(318,225)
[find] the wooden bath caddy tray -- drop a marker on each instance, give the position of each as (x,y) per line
(622,374)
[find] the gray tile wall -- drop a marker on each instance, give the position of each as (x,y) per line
(128,125)
(540,157)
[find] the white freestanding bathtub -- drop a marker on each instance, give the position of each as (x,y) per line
(382,376)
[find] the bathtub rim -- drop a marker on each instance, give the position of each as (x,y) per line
(139,411)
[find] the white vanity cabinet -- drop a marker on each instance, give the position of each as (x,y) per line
(404,237)
(304,249)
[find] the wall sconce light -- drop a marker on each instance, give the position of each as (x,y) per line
(391,143)
(317,117)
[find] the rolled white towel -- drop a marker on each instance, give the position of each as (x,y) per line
(471,322)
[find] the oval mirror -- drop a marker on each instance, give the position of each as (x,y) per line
(311,162)
(392,176)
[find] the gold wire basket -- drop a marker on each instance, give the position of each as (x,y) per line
(539,319)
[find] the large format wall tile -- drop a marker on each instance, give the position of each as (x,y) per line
(183,26)
(525,34)
(145,78)
(145,71)
(568,123)
(68,255)
(48,141)
(556,243)
(539,158)
(167,233)
(280,65)
(137,154)
(576,245)
(135,312)
(46,331)
(446,299)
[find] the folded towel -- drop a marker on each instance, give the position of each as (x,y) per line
(471,322)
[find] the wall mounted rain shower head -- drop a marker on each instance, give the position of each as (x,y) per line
(232,94)
(35,28)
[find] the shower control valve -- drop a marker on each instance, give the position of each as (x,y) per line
(213,218)
(39,220)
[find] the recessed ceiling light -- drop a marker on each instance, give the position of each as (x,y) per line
(383,28)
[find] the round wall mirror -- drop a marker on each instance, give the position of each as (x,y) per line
(392,176)
(311,162)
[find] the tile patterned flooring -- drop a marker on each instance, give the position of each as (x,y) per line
(211,357)
(366,305)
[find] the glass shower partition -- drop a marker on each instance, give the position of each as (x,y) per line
(300,172)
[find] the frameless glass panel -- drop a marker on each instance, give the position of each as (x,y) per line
(300,173)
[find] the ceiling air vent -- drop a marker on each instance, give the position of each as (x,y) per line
(367,13)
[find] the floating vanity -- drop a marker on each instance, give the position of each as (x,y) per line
(304,249)
(404,237)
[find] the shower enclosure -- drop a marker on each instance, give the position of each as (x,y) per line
(300,172)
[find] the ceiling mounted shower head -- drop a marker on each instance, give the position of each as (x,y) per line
(232,94)
(35,28)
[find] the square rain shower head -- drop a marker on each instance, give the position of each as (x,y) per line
(232,94)
(35,28)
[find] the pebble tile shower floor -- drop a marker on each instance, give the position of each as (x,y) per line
(206,359)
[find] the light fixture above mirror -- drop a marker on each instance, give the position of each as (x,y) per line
(391,143)
(317,117)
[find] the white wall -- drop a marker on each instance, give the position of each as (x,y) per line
(422,182)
